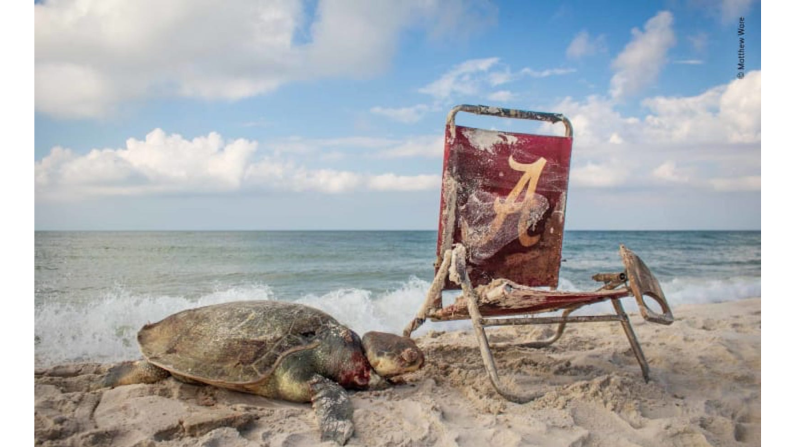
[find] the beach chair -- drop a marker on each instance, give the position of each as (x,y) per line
(500,237)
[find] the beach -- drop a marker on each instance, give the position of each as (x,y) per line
(705,390)
(374,161)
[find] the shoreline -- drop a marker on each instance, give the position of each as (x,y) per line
(705,389)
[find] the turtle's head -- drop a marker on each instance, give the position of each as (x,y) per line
(340,357)
(392,355)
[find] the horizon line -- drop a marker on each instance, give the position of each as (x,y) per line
(348,230)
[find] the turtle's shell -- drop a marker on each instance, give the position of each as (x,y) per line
(232,343)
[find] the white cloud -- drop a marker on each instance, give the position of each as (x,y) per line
(735,184)
(670,173)
(392,182)
(703,141)
(424,146)
(601,175)
(584,45)
(159,164)
(725,114)
(92,55)
(170,164)
(547,73)
(679,119)
(274,175)
(74,91)
(325,180)
(460,80)
(496,78)
(412,146)
(502,96)
(699,41)
(689,62)
(641,61)
(505,76)
(594,120)
(741,108)
(471,77)
(317,147)
(404,114)
(354,142)
(732,10)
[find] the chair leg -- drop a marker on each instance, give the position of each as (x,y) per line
(459,268)
(553,338)
(433,300)
(633,340)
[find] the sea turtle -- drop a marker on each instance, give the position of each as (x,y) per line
(275,349)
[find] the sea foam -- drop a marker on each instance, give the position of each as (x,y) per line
(105,330)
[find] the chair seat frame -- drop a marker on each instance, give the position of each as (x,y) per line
(516,304)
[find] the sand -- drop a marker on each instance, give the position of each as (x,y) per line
(705,390)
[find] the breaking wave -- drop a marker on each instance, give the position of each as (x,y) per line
(105,329)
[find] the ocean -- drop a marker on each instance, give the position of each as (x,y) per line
(94,290)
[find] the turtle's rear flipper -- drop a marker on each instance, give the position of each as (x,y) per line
(333,409)
(129,373)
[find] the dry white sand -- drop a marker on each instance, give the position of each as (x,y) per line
(705,390)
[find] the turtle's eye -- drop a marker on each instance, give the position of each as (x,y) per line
(407,356)
(348,335)
(308,334)
(410,356)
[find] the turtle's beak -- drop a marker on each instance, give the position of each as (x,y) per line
(377,382)
(362,380)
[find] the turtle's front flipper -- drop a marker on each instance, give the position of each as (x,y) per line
(128,373)
(333,409)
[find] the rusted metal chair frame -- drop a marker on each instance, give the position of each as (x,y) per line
(514,302)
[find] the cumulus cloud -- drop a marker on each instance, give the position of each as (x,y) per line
(594,120)
(170,164)
(584,45)
(641,61)
(726,114)
(92,55)
(159,164)
(714,137)
(729,113)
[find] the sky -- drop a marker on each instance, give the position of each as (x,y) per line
(310,115)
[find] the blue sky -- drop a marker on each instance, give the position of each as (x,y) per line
(330,115)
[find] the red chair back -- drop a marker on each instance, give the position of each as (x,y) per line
(504,198)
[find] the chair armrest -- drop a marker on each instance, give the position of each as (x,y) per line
(642,282)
